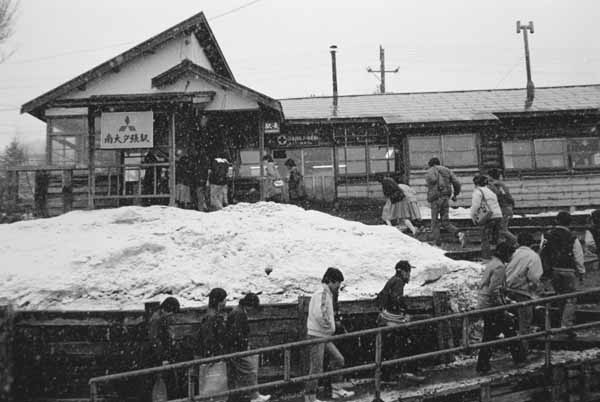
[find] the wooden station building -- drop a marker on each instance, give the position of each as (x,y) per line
(177,91)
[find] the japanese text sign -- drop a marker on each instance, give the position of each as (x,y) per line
(127,130)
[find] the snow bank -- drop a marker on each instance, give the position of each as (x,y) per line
(121,258)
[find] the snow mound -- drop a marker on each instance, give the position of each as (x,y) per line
(121,258)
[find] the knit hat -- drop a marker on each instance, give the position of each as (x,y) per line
(403,265)
(250,300)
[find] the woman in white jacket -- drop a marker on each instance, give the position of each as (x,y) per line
(491,228)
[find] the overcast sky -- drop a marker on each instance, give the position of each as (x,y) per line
(281,47)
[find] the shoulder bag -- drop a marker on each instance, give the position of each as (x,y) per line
(484,212)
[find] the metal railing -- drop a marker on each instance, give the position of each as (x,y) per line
(378,362)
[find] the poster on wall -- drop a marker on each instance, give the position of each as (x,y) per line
(122,130)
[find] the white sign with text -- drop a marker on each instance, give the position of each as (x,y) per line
(119,130)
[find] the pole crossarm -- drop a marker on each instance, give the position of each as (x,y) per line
(378,362)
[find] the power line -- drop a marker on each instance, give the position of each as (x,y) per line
(92,50)
(233,10)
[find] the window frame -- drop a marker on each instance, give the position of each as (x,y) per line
(567,155)
(81,140)
(442,139)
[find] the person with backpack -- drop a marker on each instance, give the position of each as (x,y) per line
(217,179)
(442,185)
(491,294)
(592,234)
(507,204)
(562,259)
(486,213)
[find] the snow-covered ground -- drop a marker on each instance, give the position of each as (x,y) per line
(121,258)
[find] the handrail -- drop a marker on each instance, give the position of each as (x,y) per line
(378,363)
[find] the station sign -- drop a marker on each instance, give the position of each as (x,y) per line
(123,130)
(272,127)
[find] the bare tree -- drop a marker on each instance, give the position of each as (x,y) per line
(8,9)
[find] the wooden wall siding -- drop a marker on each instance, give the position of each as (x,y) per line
(529,192)
(490,150)
(60,351)
(370,190)
(556,191)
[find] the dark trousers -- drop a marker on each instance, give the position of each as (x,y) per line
(495,324)
(489,235)
(564,282)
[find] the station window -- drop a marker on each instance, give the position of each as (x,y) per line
(454,150)
(552,153)
(67,140)
(318,161)
(352,160)
(357,159)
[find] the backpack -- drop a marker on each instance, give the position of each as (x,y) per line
(557,250)
(444,183)
(219,171)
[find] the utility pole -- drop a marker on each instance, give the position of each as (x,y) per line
(333,50)
(382,69)
(530,86)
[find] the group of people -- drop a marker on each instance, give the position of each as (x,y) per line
(202,184)
(515,274)
(220,333)
(275,184)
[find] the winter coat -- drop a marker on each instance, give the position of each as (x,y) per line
(391,297)
(493,283)
(562,251)
(490,199)
(592,240)
(212,334)
(296,187)
(441,182)
(238,330)
(272,174)
(321,316)
(524,271)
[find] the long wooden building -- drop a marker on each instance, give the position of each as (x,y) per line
(176,91)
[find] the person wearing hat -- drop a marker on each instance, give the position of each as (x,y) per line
(391,298)
(321,324)
(242,371)
(392,308)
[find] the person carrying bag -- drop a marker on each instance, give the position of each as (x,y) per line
(485,213)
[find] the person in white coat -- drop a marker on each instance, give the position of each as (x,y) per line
(489,229)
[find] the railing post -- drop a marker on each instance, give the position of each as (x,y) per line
(190,380)
(7,356)
(287,353)
(547,336)
(378,347)
(465,332)
(93,392)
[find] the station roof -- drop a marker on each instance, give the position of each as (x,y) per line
(198,26)
(426,107)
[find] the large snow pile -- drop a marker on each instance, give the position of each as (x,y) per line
(121,258)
